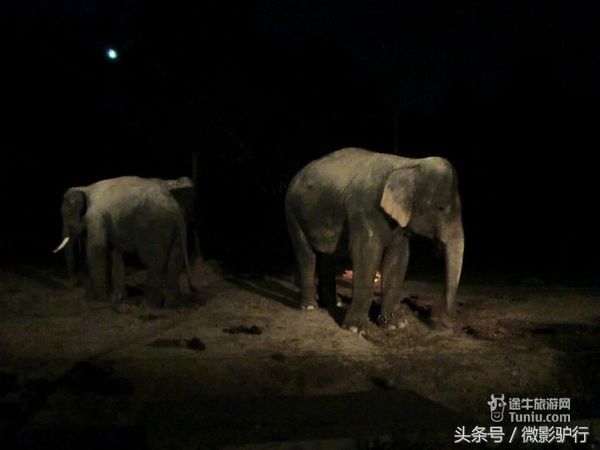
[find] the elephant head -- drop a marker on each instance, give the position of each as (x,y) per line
(72,211)
(423,198)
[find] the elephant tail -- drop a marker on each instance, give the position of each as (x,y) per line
(184,249)
(188,271)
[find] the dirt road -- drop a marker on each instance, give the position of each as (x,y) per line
(249,370)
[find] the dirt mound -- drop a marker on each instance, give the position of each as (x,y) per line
(207,272)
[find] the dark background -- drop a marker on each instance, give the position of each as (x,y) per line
(508,91)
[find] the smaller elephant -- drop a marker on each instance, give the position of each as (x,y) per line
(127,215)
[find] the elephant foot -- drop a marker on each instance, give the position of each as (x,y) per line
(96,295)
(145,304)
(308,306)
(98,298)
(153,300)
(363,329)
(174,303)
(399,324)
(356,330)
(445,320)
(122,308)
(197,299)
(71,282)
(340,304)
(355,325)
(117,298)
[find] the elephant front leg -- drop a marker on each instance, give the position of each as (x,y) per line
(70,260)
(97,261)
(308,291)
(306,259)
(173,296)
(393,271)
(366,251)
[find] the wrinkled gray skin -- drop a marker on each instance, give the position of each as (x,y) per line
(127,214)
(182,189)
(377,198)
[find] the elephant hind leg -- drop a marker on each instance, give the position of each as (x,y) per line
(154,285)
(306,259)
(366,251)
(119,291)
(153,256)
(172,291)
(97,258)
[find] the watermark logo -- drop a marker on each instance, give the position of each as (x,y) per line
(529,434)
(497,405)
(533,420)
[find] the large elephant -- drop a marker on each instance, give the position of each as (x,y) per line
(133,215)
(379,199)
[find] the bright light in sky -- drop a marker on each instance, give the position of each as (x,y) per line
(111,53)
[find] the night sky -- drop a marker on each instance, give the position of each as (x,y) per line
(508,91)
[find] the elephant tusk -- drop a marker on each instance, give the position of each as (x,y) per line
(62,245)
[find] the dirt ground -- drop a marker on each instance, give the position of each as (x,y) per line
(249,370)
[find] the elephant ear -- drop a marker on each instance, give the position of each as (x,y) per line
(398,194)
(75,201)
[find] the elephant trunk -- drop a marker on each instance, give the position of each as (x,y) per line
(72,212)
(454,243)
(68,244)
(70,258)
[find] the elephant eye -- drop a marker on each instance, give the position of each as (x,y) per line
(441,208)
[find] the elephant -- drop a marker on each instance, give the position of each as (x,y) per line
(182,189)
(377,200)
(127,215)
